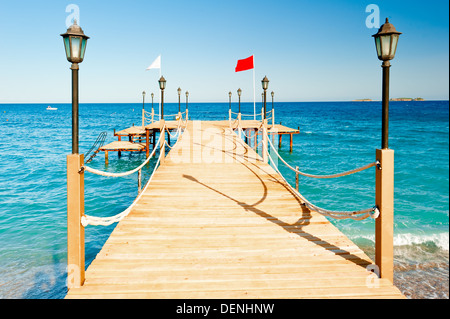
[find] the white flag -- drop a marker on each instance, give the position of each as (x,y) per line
(156,64)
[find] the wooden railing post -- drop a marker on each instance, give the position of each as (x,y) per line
(162,145)
(147,142)
(75,231)
(273,118)
(239,125)
(384,224)
(296,178)
(139,181)
(264,148)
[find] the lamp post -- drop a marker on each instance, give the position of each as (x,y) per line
(162,86)
(179,94)
(386,40)
(75,46)
(271,93)
(162,129)
(273,114)
(143,100)
(239,91)
(229,108)
(143,109)
(187,109)
(265,86)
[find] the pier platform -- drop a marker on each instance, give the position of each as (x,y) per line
(218,222)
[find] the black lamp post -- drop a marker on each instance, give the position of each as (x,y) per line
(162,86)
(179,94)
(386,41)
(187,96)
(152,95)
(239,91)
(143,100)
(272,98)
(229,96)
(75,44)
(265,86)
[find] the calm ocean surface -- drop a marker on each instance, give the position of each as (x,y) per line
(334,137)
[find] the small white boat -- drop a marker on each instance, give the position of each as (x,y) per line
(49,108)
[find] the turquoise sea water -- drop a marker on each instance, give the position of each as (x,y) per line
(334,137)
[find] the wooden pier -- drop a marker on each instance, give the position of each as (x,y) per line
(216,221)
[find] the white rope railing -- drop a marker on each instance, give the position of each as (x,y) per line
(150,114)
(178,130)
(355,215)
(108,174)
(106,221)
(356,170)
(242,114)
(251,136)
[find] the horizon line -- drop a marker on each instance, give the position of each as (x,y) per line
(268,102)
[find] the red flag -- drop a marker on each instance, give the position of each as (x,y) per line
(244,64)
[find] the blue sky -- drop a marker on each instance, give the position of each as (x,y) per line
(309,50)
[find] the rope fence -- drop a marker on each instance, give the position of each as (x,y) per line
(106,221)
(355,215)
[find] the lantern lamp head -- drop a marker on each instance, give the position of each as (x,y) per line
(265,83)
(386,40)
(162,83)
(75,43)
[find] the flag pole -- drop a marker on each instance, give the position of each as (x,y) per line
(160,66)
(254,103)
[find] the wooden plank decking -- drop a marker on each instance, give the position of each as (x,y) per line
(217,222)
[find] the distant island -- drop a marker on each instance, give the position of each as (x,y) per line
(394,99)
(408,99)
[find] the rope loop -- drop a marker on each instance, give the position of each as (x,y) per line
(355,215)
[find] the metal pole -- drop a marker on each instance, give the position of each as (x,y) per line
(143,110)
(265,103)
(75,130)
(239,104)
(162,105)
(385,106)
(179,108)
